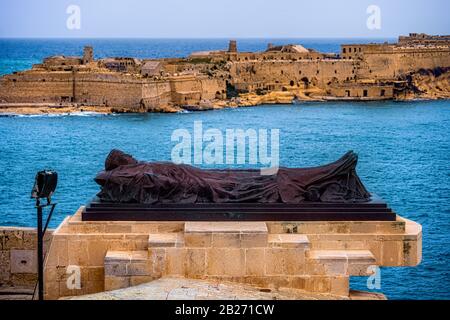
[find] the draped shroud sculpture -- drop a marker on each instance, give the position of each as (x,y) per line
(158,191)
(126,180)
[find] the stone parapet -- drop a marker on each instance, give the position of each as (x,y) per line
(18,259)
(319,257)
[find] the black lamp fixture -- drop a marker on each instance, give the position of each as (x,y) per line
(44,187)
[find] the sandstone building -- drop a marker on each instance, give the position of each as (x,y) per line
(229,77)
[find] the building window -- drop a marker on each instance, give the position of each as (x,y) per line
(365,93)
(347,92)
(383,92)
(343,50)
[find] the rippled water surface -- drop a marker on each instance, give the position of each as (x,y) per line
(404,153)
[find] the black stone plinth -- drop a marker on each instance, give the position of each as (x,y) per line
(374,210)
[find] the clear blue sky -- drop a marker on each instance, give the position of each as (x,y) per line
(213,18)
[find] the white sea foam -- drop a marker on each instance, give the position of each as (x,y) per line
(51,115)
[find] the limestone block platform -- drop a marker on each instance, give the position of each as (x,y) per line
(188,289)
(316,257)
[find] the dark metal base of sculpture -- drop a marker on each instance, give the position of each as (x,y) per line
(374,210)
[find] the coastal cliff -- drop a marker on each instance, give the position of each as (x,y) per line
(427,84)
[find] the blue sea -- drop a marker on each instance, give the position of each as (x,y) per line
(404,148)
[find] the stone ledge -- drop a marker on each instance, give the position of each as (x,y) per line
(165,240)
(340,262)
(191,289)
(225,227)
(347,255)
(126,256)
(338,227)
(288,240)
(126,263)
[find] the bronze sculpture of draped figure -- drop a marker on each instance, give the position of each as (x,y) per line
(127,180)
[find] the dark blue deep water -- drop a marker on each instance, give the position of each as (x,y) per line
(404,150)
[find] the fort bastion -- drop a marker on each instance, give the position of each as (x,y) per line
(213,79)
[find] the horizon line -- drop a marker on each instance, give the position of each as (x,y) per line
(192,38)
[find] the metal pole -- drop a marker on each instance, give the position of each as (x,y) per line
(40,252)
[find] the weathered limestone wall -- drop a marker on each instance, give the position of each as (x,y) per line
(282,73)
(192,89)
(380,64)
(313,256)
(211,87)
(110,89)
(18,260)
(106,89)
(36,87)
(156,94)
(362,91)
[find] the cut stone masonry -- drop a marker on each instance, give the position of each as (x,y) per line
(319,257)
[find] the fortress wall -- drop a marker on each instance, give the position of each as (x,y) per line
(108,89)
(156,94)
(211,88)
(18,258)
(389,65)
(56,87)
(362,91)
(36,87)
(191,90)
(185,90)
(319,72)
(113,94)
(154,89)
(248,72)
(275,55)
(185,84)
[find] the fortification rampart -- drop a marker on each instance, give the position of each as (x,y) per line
(209,77)
(273,75)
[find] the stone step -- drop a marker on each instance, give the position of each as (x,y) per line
(201,234)
(126,268)
(225,227)
(340,262)
(16,293)
(126,263)
(288,240)
(165,240)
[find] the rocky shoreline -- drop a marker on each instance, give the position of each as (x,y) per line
(244,100)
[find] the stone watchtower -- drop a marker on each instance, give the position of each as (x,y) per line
(88,54)
(232,47)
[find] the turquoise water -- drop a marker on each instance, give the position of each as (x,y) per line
(404,153)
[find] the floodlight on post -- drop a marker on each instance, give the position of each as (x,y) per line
(44,187)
